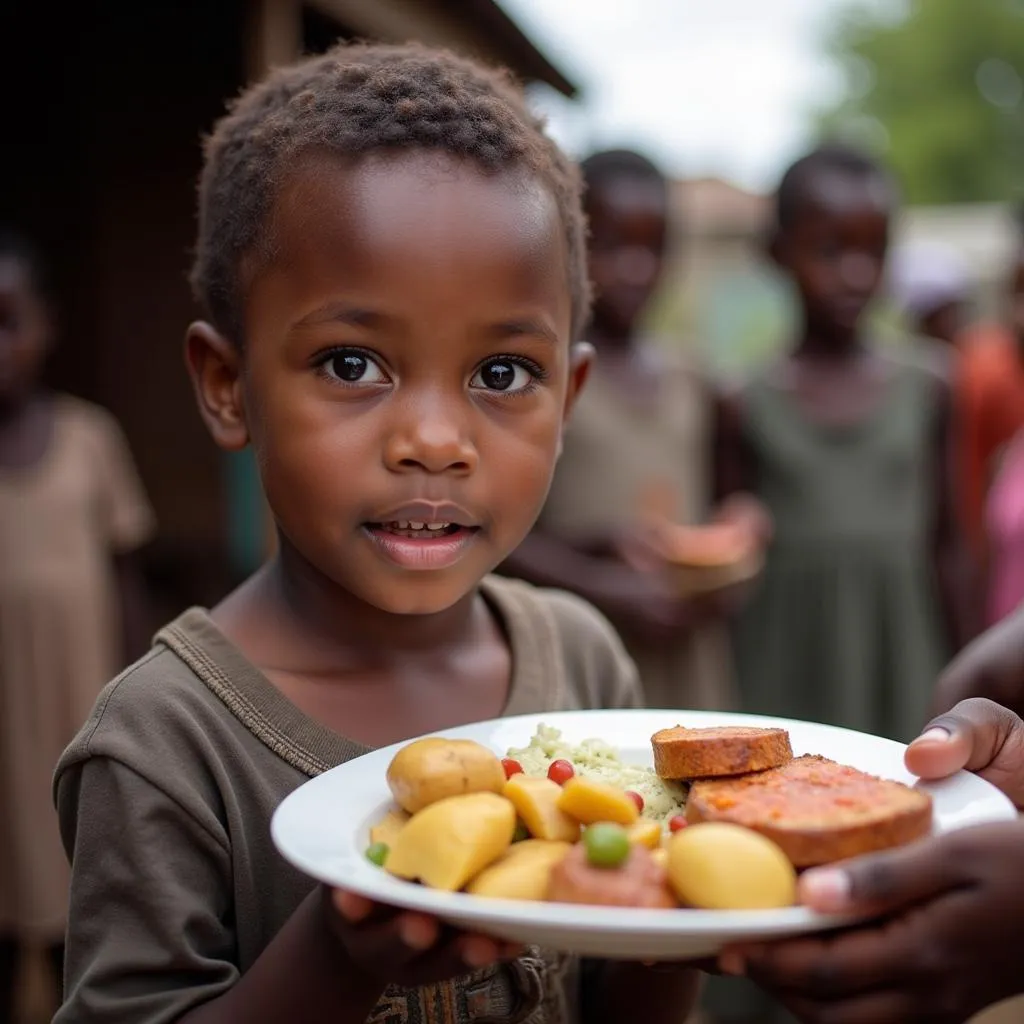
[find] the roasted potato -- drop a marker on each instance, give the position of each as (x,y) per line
(522,872)
(645,832)
(536,802)
(588,802)
(428,770)
(452,840)
(387,829)
(720,866)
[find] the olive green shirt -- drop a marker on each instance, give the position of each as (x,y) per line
(165,799)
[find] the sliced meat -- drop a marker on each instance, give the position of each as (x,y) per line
(638,882)
(682,753)
(818,811)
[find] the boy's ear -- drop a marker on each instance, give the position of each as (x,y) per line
(581,359)
(215,366)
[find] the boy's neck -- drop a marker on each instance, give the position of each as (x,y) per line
(332,620)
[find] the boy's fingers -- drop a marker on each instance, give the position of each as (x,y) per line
(352,907)
(881,881)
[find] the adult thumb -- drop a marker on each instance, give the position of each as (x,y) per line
(879,882)
(978,735)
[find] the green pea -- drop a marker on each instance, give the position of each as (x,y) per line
(521,833)
(377,853)
(606,844)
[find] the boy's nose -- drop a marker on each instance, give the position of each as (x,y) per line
(430,437)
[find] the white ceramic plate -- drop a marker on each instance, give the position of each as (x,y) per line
(323,829)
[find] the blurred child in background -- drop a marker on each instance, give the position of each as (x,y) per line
(72,515)
(641,433)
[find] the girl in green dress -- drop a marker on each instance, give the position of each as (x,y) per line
(848,447)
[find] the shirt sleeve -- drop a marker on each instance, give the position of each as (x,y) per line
(598,665)
(127,516)
(149,930)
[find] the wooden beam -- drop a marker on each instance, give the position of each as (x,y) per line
(273,35)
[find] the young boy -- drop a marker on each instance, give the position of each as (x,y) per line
(391,258)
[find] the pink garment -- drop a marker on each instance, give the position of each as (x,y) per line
(1005,523)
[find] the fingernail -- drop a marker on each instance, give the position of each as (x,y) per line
(731,963)
(936,734)
(825,890)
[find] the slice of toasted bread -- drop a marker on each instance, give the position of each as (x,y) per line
(682,753)
(816,810)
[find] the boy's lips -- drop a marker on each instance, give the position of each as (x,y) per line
(423,535)
(414,545)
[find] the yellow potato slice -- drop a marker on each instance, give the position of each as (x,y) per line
(588,802)
(645,832)
(450,841)
(387,829)
(536,803)
(521,872)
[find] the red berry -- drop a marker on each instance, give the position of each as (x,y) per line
(677,823)
(511,766)
(637,799)
(560,771)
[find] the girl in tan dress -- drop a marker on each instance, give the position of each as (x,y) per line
(642,425)
(72,511)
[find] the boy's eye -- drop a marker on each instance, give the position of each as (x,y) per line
(353,367)
(506,375)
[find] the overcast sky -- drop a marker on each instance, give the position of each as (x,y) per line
(719,87)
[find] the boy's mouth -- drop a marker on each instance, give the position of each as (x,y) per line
(415,530)
(416,545)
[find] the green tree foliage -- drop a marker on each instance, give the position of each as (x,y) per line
(937,88)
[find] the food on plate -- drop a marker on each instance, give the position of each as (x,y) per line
(561,771)
(728,826)
(387,829)
(816,810)
(682,753)
(646,832)
(522,872)
(638,881)
(377,853)
(718,866)
(606,844)
(536,803)
(597,759)
(452,840)
(428,770)
(589,802)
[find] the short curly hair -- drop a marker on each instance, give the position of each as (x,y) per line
(354,100)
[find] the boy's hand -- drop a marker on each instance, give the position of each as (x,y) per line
(992,666)
(948,934)
(950,943)
(407,948)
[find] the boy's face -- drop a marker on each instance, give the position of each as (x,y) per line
(835,247)
(628,231)
(407,362)
(24,332)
